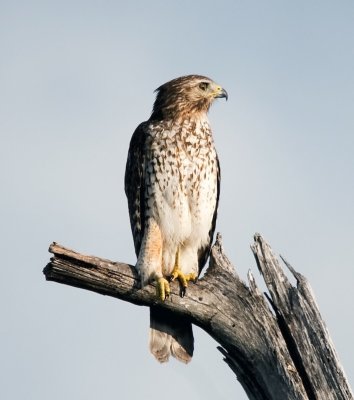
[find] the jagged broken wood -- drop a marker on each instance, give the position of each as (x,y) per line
(279,349)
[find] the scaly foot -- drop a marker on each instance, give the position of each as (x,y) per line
(183,278)
(162,289)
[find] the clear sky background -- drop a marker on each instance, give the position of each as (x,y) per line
(76,78)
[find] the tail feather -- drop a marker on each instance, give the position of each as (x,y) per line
(170,335)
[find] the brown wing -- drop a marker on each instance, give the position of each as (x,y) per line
(204,252)
(134,184)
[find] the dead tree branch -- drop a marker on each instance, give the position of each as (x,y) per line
(278,349)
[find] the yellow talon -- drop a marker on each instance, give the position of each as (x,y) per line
(162,289)
(183,279)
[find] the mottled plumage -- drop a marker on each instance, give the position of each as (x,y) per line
(172,185)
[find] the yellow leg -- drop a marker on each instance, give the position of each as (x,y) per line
(162,288)
(183,278)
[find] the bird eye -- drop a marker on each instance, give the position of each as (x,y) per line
(204,85)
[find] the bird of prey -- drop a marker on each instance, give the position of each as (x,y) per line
(172,182)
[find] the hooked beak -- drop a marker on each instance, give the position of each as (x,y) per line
(220,92)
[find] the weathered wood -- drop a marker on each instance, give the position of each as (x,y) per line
(272,352)
(301,324)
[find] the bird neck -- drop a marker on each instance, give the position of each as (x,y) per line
(180,117)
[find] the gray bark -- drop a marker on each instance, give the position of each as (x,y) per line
(278,346)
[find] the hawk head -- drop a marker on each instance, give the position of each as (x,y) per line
(186,95)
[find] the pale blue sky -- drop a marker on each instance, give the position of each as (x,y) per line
(76,78)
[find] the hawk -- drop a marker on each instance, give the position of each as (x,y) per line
(172,182)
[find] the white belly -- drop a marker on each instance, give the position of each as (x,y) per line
(184,209)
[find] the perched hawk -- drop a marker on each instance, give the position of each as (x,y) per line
(172,184)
